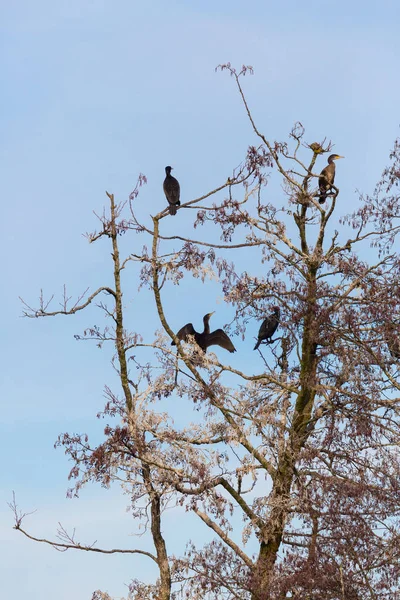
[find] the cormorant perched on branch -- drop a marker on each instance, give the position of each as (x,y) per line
(268,327)
(172,191)
(327,177)
(206,339)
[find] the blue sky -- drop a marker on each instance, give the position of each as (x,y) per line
(93,93)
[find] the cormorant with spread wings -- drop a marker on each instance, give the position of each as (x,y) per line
(206,338)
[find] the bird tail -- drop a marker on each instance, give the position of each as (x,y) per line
(256,346)
(172,209)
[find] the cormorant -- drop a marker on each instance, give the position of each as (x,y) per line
(171,190)
(327,177)
(206,339)
(268,327)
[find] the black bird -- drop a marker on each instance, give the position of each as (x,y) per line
(172,191)
(268,327)
(206,339)
(327,177)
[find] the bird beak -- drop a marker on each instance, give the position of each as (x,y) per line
(339,157)
(211,314)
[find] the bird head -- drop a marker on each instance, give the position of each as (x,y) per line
(277,310)
(334,157)
(168,170)
(206,319)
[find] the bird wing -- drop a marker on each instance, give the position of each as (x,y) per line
(264,328)
(323,181)
(184,332)
(219,338)
(172,190)
(327,176)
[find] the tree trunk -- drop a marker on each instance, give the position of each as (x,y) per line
(271,537)
(159,542)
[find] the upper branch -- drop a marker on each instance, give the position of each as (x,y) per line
(84,547)
(42,311)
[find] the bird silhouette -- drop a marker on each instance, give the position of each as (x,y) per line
(268,327)
(172,191)
(327,177)
(205,339)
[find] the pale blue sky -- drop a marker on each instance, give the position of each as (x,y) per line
(93,93)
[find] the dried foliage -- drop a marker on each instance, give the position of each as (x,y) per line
(293,464)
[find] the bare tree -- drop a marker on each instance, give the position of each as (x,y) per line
(293,468)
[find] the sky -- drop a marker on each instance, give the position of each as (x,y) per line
(94,93)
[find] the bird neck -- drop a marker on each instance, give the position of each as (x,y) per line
(206,322)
